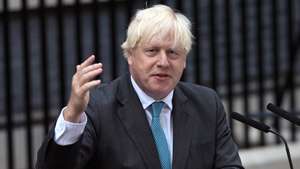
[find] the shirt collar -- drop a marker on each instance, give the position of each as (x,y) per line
(147,100)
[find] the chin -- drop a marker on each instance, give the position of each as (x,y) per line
(161,90)
(159,94)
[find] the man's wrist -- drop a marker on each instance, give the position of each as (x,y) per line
(66,132)
(71,116)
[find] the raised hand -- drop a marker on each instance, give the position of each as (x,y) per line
(82,82)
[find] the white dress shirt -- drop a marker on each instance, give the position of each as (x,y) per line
(67,133)
(165,115)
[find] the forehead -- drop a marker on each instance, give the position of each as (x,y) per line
(160,40)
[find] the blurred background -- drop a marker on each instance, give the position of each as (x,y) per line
(247,50)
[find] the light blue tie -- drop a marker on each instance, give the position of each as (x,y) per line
(159,136)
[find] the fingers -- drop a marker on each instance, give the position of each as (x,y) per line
(89,85)
(85,73)
(87,62)
(90,68)
(88,76)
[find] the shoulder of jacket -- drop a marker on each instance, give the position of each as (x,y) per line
(194,88)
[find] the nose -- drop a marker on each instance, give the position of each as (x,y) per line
(163,59)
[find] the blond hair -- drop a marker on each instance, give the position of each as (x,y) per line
(158,20)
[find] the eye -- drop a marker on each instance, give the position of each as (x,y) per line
(150,51)
(171,51)
(173,54)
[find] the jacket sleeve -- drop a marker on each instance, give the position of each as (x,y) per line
(77,155)
(74,156)
(227,156)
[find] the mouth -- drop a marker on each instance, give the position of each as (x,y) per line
(161,76)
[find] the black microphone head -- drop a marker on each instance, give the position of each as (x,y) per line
(274,108)
(250,122)
(288,116)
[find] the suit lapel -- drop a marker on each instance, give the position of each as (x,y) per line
(182,124)
(133,117)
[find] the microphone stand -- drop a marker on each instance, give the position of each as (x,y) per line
(286,148)
(265,128)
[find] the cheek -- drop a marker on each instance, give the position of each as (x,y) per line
(179,67)
(141,71)
(145,66)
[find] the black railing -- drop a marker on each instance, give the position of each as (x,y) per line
(247,50)
(7,104)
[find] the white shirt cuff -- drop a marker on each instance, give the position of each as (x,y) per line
(66,132)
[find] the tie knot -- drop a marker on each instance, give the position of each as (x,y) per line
(156,108)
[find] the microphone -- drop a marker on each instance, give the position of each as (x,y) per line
(250,122)
(265,128)
(279,111)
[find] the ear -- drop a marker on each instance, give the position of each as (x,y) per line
(129,57)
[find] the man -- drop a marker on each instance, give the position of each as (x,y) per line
(145,119)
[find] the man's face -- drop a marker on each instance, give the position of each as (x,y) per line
(157,66)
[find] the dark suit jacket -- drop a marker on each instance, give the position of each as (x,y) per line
(118,134)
